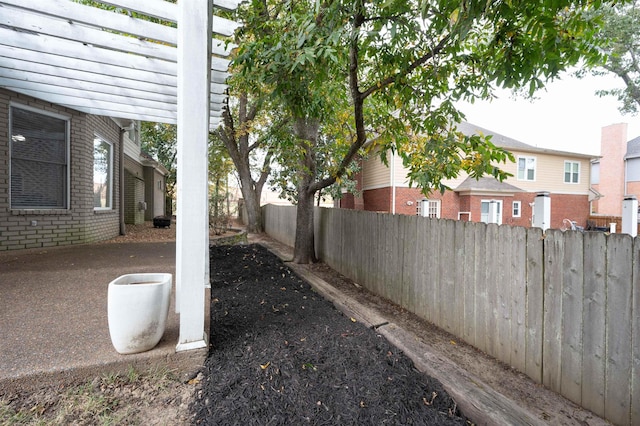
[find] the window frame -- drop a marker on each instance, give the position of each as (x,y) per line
(438,208)
(518,209)
(109,197)
(571,172)
(525,175)
(500,210)
(67,157)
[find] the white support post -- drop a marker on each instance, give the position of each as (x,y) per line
(192,239)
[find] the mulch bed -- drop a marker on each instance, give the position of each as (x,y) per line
(283,355)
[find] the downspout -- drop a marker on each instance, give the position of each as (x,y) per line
(393,183)
(123,227)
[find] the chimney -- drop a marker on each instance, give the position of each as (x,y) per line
(613,147)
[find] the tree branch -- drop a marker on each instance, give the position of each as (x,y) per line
(412,67)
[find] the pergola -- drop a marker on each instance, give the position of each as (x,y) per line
(123,66)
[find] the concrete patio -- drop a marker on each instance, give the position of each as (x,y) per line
(53,313)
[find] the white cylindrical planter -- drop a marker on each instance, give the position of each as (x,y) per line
(138,305)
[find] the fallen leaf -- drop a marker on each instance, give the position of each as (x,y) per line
(452,342)
(283,288)
(265,366)
(193,381)
(353,319)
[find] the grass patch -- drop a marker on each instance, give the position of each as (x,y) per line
(111,399)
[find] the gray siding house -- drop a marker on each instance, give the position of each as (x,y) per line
(65,177)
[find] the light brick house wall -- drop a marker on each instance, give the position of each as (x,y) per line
(79,223)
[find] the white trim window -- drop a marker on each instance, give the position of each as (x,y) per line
(571,172)
(516,209)
(429,208)
(484,211)
(102,174)
(527,168)
(39,159)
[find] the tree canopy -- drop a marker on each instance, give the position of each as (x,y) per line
(619,38)
(385,75)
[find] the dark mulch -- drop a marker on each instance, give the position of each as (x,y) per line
(282,355)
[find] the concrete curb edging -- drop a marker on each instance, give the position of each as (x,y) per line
(476,400)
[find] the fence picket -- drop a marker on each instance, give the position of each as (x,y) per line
(517,255)
(617,402)
(480,276)
(470,305)
(594,317)
(552,320)
(458,290)
(420,291)
(504,286)
(572,301)
(409,278)
(635,327)
(446,271)
(535,304)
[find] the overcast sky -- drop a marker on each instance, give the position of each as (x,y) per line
(568,116)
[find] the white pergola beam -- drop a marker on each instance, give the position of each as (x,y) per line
(17,58)
(169,12)
(43,24)
(39,73)
(70,49)
(81,14)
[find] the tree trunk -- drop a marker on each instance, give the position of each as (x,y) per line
(251,202)
(304,248)
(306,131)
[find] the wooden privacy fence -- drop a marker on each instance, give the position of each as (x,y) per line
(563,308)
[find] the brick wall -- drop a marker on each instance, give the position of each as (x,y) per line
(563,206)
(29,228)
(377,200)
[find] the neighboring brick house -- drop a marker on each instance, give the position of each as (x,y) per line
(60,174)
(616,174)
(564,175)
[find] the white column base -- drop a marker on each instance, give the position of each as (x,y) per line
(188,346)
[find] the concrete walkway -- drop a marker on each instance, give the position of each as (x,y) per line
(53,313)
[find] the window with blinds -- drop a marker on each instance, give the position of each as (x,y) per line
(39,159)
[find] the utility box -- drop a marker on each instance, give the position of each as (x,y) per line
(630,215)
(542,211)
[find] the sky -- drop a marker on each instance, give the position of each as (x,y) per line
(567,116)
